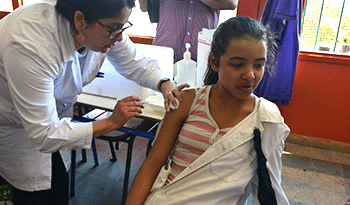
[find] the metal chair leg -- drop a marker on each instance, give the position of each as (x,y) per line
(114,157)
(94,152)
(127,168)
(72,173)
(83,154)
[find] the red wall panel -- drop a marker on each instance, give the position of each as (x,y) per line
(320,105)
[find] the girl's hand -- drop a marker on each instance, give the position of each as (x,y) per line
(170,92)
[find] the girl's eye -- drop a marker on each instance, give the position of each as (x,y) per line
(237,65)
(259,66)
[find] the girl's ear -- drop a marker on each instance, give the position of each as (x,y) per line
(213,62)
(79,21)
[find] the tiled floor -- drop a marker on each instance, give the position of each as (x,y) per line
(315,176)
(310,175)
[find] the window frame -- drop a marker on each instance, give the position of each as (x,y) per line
(323,57)
(3,14)
(255,8)
(16,3)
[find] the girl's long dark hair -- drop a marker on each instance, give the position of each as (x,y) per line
(238,28)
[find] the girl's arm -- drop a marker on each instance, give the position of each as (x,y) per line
(272,143)
(163,145)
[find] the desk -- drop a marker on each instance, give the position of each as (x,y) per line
(108,103)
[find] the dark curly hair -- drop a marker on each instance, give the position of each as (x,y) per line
(92,9)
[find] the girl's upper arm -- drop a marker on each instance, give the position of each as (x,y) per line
(164,144)
(276,133)
(172,124)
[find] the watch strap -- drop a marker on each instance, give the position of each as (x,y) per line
(161,82)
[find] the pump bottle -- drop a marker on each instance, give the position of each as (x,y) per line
(186,69)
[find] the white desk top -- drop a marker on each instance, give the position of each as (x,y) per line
(108,103)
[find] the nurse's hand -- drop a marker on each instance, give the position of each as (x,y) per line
(123,110)
(126,108)
(170,92)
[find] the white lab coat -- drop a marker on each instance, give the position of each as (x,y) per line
(226,172)
(41,74)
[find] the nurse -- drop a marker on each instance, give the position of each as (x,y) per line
(48,52)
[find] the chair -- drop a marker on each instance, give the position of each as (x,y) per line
(134,127)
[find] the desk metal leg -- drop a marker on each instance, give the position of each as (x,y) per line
(72,175)
(94,152)
(127,168)
(111,146)
(83,154)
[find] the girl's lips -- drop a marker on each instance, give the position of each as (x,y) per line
(246,88)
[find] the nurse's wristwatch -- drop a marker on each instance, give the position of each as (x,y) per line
(161,83)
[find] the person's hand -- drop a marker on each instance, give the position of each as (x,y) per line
(170,92)
(126,108)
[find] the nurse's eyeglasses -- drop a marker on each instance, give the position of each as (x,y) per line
(112,32)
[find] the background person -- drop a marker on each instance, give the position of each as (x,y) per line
(47,54)
(208,143)
(181,20)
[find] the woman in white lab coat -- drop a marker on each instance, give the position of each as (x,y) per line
(48,52)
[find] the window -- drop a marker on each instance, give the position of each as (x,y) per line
(142,25)
(326,26)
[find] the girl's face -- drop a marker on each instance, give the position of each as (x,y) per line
(241,67)
(97,37)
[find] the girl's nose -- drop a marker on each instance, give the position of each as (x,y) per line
(248,74)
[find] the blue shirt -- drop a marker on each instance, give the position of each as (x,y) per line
(284,18)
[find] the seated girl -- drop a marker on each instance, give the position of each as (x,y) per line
(207,150)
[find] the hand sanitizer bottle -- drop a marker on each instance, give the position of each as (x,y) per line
(186,69)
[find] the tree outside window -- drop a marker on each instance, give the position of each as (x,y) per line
(326,26)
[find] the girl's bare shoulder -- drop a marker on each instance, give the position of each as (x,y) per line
(188,96)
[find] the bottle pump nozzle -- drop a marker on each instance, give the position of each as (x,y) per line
(187,54)
(186,69)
